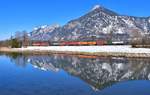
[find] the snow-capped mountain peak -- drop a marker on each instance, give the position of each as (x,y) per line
(44,26)
(43,33)
(96,7)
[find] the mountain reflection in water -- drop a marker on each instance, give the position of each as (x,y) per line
(98,72)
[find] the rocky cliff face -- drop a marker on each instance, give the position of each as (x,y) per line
(96,24)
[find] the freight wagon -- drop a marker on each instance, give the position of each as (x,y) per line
(40,43)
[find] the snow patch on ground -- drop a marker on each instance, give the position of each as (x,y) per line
(90,49)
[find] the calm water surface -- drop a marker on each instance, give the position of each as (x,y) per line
(73,75)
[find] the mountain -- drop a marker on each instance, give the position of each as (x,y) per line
(43,33)
(99,23)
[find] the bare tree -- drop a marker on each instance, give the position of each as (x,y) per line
(25,39)
(18,37)
(136,36)
(22,37)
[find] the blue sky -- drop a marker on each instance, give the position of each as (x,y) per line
(17,15)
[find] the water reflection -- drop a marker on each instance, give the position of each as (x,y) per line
(98,72)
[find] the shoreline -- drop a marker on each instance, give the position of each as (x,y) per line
(105,51)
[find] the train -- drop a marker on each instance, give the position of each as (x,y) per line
(77,43)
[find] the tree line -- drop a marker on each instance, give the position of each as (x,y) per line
(20,39)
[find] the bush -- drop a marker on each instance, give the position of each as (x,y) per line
(15,43)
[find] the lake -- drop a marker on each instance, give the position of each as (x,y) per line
(55,74)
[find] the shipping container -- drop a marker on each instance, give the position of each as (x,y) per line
(91,43)
(40,43)
(109,42)
(101,42)
(83,43)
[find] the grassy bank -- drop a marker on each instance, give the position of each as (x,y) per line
(141,46)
